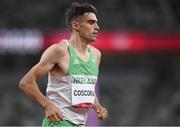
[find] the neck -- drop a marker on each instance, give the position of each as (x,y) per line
(78,44)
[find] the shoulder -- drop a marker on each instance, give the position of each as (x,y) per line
(57,49)
(96,52)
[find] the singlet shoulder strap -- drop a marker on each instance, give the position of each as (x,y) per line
(67,43)
(71,51)
(92,55)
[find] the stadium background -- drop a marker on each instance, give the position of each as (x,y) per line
(139,79)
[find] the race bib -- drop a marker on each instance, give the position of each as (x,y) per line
(83,94)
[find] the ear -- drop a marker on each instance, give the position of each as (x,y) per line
(75,25)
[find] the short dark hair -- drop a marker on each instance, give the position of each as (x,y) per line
(77,9)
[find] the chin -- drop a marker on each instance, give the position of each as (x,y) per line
(92,39)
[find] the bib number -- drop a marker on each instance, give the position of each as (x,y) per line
(83,94)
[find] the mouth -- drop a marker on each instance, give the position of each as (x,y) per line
(95,34)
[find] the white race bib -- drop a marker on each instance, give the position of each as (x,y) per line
(82,93)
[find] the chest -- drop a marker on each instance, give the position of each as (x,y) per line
(79,67)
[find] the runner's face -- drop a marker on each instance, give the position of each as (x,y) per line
(88,27)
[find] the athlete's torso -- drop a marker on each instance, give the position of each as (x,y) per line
(71,85)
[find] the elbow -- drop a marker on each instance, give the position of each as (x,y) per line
(22,85)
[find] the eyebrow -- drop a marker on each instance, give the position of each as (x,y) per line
(92,20)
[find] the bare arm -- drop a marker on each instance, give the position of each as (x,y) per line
(102,112)
(28,83)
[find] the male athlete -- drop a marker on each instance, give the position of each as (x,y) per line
(72,67)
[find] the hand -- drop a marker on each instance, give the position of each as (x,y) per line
(102,112)
(53,114)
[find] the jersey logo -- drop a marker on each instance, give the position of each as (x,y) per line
(76,61)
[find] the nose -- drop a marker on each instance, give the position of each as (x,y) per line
(96,26)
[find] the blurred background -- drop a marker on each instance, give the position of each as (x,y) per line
(139,81)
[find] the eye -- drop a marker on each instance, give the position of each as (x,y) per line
(91,22)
